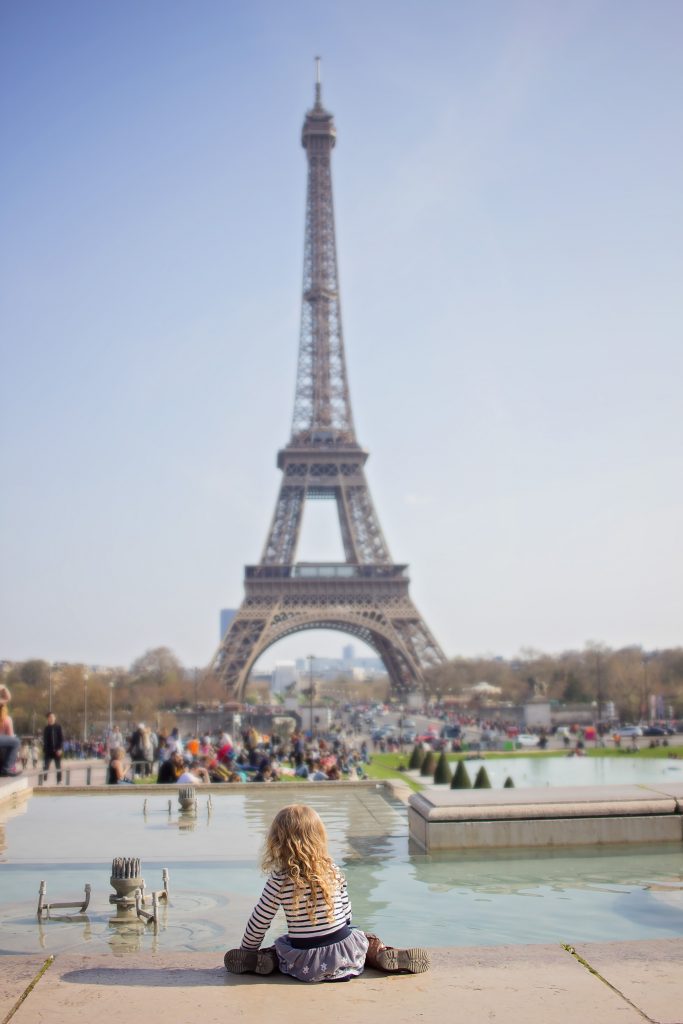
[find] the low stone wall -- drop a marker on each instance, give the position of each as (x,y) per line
(13,792)
(557,816)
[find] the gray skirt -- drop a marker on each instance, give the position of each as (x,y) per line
(339,960)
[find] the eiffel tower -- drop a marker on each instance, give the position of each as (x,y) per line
(367,594)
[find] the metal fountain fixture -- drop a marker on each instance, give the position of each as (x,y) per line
(129,896)
(44,908)
(187,798)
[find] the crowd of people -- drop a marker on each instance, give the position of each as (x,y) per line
(249,757)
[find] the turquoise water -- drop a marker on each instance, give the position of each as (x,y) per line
(453,899)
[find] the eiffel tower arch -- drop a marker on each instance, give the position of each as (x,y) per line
(367,595)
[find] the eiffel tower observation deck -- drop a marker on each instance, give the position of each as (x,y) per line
(366,595)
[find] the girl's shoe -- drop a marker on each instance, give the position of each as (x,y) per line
(396,961)
(251,961)
(410,961)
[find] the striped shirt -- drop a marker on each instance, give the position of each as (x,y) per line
(279,892)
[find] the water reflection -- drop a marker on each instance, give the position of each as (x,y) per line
(47,924)
(509,871)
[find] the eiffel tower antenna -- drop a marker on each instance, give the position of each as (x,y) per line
(367,594)
(318,98)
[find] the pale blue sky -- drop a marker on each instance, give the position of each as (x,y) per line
(509,221)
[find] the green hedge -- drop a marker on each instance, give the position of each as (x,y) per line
(416,758)
(443,774)
(461,779)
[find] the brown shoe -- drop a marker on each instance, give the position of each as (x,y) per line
(393,960)
(251,961)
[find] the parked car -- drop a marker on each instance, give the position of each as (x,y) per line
(628,731)
(450,732)
(526,739)
(654,730)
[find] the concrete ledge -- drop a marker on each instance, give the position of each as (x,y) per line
(215,788)
(544,984)
(559,816)
(12,790)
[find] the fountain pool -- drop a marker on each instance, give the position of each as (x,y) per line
(453,899)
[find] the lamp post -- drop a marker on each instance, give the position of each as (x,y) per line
(598,674)
(85,709)
(49,683)
(310,689)
(111,706)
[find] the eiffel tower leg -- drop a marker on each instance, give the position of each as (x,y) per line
(362,535)
(283,537)
(236,654)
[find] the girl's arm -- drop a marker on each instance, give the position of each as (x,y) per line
(262,914)
(346,902)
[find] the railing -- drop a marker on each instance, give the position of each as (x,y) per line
(331,570)
(74,773)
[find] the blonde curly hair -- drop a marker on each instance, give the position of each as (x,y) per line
(296,844)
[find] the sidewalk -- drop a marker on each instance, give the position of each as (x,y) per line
(608,982)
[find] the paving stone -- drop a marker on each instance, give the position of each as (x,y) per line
(505,985)
(649,974)
(16,974)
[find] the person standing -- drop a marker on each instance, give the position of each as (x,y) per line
(53,745)
(9,743)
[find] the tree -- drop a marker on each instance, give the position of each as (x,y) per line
(443,775)
(461,779)
(574,691)
(416,758)
(158,665)
(35,673)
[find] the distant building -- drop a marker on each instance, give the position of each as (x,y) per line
(333,668)
(284,674)
(227,615)
(348,652)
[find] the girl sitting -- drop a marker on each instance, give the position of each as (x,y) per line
(320,945)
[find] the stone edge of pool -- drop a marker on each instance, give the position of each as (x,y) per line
(626,982)
(542,816)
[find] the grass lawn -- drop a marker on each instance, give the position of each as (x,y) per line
(385,766)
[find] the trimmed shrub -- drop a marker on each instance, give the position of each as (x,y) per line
(461,779)
(482,780)
(416,758)
(429,764)
(508,784)
(443,774)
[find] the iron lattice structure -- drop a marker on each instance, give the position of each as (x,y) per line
(367,594)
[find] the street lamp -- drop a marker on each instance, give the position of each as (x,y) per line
(311,690)
(49,677)
(85,708)
(111,706)
(598,673)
